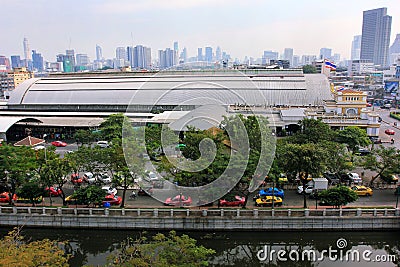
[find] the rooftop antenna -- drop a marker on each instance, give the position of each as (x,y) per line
(69,44)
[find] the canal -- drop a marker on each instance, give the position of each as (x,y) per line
(91,247)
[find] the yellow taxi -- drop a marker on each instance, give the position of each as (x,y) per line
(362,190)
(266,201)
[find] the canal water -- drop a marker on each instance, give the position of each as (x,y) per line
(91,247)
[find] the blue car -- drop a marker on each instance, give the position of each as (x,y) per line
(269,192)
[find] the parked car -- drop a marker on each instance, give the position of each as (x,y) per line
(151,176)
(363,152)
(389,178)
(110,190)
(5,197)
(333,178)
(76,179)
(351,178)
(104,178)
(362,190)
(178,200)
(89,178)
(59,143)
(237,201)
(53,191)
(266,201)
(112,199)
(102,144)
(389,132)
(269,192)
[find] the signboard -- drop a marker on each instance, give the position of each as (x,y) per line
(391,87)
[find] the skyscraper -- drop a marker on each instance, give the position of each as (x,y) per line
(288,55)
(325,53)
(37,61)
(199,54)
(166,58)
(99,53)
(27,50)
(395,47)
(356,47)
(16,62)
(218,54)
(209,54)
(375,37)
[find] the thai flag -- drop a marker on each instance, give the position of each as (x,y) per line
(330,65)
(340,88)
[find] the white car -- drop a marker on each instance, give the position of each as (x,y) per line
(151,176)
(102,144)
(89,178)
(355,178)
(110,190)
(104,178)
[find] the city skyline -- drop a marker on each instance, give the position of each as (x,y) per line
(239,28)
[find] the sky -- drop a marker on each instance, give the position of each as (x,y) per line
(241,28)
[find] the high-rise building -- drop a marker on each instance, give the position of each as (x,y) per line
(375,37)
(70,53)
(218,53)
(141,57)
(268,56)
(209,54)
(199,54)
(4,64)
(356,47)
(27,50)
(395,47)
(99,53)
(82,62)
(325,53)
(16,62)
(37,61)
(129,55)
(176,53)
(166,58)
(288,55)
(184,55)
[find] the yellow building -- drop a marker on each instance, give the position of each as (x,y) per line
(19,75)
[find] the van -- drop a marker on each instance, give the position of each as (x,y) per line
(102,144)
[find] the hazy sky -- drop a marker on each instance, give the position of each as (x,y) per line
(246,27)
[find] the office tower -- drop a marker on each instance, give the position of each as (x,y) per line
(99,53)
(268,56)
(395,47)
(27,51)
(70,53)
(166,58)
(307,59)
(218,54)
(129,55)
(209,54)
(66,61)
(356,47)
(296,61)
(325,53)
(184,55)
(16,62)
(141,57)
(37,60)
(288,55)
(199,54)
(336,58)
(176,53)
(4,64)
(82,62)
(375,37)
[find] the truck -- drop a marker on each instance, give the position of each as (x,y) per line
(315,185)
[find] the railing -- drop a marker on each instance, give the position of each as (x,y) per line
(184,212)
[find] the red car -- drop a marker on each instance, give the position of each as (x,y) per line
(178,200)
(5,197)
(53,191)
(59,143)
(389,131)
(112,199)
(238,201)
(75,179)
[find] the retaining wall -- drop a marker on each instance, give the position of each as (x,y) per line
(187,219)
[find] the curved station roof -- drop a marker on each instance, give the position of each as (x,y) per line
(142,92)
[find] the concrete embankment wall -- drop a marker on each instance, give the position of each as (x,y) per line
(185,219)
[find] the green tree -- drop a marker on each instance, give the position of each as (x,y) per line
(312,131)
(161,251)
(309,69)
(90,195)
(15,251)
(337,196)
(31,190)
(16,163)
(111,128)
(382,160)
(354,138)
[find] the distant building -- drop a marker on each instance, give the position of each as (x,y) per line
(27,50)
(82,62)
(99,53)
(4,64)
(375,38)
(10,80)
(141,57)
(166,58)
(288,55)
(37,61)
(268,56)
(184,56)
(199,54)
(308,59)
(218,54)
(325,53)
(209,54)
(360,67)
(356,47)
(16,62)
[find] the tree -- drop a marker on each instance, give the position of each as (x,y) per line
(31,190)
(312,131)
(309,69)
(382,160)
(171,250)
(15,251)
(337,196)
(354,137)
(111,128)
(89,195)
